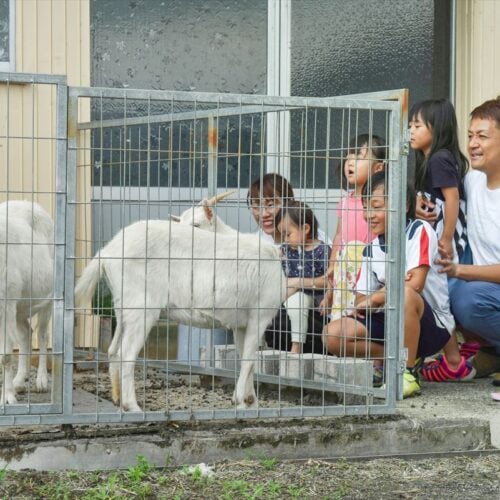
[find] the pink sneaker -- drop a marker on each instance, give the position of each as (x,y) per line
(439,371)
(469,349)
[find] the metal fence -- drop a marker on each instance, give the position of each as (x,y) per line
(145,155)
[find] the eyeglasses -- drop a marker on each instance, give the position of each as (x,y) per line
(266,205)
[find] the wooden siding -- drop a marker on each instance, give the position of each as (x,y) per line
(478,57)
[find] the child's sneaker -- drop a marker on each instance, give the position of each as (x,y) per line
(469,349)
(411,384)
(440,371)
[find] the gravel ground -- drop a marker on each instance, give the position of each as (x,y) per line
(453,477)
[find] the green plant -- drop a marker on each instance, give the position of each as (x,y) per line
(139,471)
(102,303)
(236,487)
(295,491)
(274,488)
(196,474)
(269,463)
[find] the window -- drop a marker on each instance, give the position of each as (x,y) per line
(340,48)
(7,34)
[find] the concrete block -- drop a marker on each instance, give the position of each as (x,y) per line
(299,366)
(495,431)
(348,371)
(268,361)
(224,356)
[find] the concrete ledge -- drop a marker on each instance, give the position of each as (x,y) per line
(98,448)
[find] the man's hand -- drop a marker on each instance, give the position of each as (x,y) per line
(448,267)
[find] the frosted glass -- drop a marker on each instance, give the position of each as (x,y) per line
(216,45)
(205,46)
(4,30)
(344,47)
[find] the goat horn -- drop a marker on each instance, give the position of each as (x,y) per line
(219,197)
(175,218)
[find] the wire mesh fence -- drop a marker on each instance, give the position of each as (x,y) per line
(194,300)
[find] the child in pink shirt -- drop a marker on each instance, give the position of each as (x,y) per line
(365,156)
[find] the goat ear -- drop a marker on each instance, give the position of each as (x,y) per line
(175,218)
(209,213)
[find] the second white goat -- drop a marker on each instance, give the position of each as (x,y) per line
(26,276)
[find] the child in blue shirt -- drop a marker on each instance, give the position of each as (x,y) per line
(305,261)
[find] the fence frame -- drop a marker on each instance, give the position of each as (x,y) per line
(68,129)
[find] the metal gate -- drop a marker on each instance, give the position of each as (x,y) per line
(146,155)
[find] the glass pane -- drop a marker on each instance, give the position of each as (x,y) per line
(4,30)
(214,46)
(341,48)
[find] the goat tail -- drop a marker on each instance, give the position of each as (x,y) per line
(87,283)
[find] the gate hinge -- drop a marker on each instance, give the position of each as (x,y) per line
(403,358)
(405,142)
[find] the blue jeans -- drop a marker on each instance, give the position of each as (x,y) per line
(476,307)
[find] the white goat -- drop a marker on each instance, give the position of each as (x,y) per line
(26,274)
(201,278)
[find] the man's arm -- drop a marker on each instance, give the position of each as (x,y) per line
(468,272)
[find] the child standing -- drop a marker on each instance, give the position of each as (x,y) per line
(366,155)
(440,170)
(428,319)
(305,259)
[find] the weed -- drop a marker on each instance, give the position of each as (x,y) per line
(137,473)
(234,488)
(274,488)
(269,463)
(3,473)
(295,491)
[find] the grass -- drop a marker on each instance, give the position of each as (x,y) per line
(265,478)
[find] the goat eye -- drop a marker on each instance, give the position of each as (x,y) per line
(195,224)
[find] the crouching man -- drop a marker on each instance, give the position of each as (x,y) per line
(475,293)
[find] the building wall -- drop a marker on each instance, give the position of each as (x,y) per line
(478,57)
(52,37)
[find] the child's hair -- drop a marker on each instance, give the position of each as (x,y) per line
(379,179)
(489,110)
(376,144)
(270,186)
(300,214)
(439,116)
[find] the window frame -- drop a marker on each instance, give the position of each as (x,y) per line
(10,65)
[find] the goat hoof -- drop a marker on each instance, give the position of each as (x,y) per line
(9,399)
(116,402)
(131,408)
(19,387)
(250,400)
(42,383)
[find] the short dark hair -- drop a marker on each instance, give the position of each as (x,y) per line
(489,110)
(300,214)
(270,186)
(379,179)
